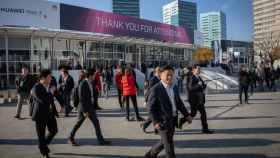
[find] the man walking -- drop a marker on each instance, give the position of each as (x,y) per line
(164,102)
(86,109)
(44,111)
(152,82)
(66,85)
(24,85)
(244,82)
(196,88)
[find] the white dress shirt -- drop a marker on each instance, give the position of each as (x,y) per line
(170,93)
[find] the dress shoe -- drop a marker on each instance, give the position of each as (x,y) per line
(181,122)
(98,108)
(17,116)
(140,119)
(148,155)
(207,131)
(72,142)
(142,126)
(104,142)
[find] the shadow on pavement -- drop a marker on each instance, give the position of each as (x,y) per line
(123,142)
(234,131)
(177,155)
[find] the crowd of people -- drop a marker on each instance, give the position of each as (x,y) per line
(161,98)
(260,78)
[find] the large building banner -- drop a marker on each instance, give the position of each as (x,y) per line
(89,20)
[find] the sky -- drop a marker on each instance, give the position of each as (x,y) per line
(239,13)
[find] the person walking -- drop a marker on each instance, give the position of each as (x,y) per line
(24,85)
(66,85)
(244,82)
(97,87)
(129,92)
(44,111)
(118,81)
(86,109)
(152,82)
(165,102)
(196,88)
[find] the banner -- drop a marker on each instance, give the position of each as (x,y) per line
(26,13)
(89,20)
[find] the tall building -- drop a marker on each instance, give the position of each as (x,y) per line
(266,19)
(127,7)
(181,13)
(213,27)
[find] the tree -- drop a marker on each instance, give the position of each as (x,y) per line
(269,46)
(203,55)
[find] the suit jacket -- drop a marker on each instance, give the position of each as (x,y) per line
(161,106)
(42,103)
(152,82)
(25,84)
(68,85)
(85,97)
(196,91)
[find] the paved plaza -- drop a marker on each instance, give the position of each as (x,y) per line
(241,131)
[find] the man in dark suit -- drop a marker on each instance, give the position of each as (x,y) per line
(66,85)
(155,79)
(44,111)
(196,88)
(164,103)
(24,85)
(86,109)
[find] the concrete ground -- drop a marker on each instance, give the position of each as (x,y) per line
(241,131)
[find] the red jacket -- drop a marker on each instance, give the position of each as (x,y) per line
(118,80)
(128,85)
(97,82)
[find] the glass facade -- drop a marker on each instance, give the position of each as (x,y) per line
(127,7)
(181,13)
(213,27)
(38,52)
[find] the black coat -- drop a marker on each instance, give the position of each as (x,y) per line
(85,97)
(196,90)
(152,82)
(161,106)
(244,78)
(25,84)
(42,103)
(68,85)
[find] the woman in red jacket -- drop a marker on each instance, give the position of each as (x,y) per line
(129,91)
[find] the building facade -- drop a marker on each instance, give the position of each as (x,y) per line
(48,34)
(266,20)
(235,52)
(126,7)
(181,13)
(213,26)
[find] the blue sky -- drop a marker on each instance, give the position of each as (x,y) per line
(239,12)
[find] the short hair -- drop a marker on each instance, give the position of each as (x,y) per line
(89,72)
(65,71)
(157,69)
(195,66)
(44,73)
(24,67)
(167,67)
(62,67)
